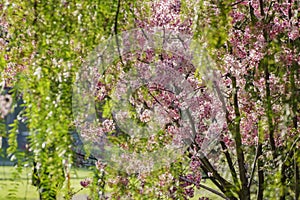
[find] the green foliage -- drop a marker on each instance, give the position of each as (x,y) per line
(50,38)
(213,24)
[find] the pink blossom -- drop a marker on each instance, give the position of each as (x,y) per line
(145,116)
(86,182)
(237,16)
(294,33)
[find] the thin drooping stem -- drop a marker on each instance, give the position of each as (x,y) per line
(116,31)
(268,92)
(234,4)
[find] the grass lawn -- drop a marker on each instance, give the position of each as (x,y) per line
(23,189)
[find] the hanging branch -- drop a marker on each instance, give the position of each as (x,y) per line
(116,31)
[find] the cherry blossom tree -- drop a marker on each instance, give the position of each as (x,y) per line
(256,51)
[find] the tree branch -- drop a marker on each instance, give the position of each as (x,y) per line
(230,164)
(204,187)
(261,4)
(225,186)
(252,15)
(269,108)
(236,3)
(260,171)
(297,177)
(223,145)
(245,192)
(257,155)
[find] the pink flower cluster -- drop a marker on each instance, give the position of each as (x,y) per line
(166,14)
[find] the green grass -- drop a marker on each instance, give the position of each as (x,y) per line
(22,188)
